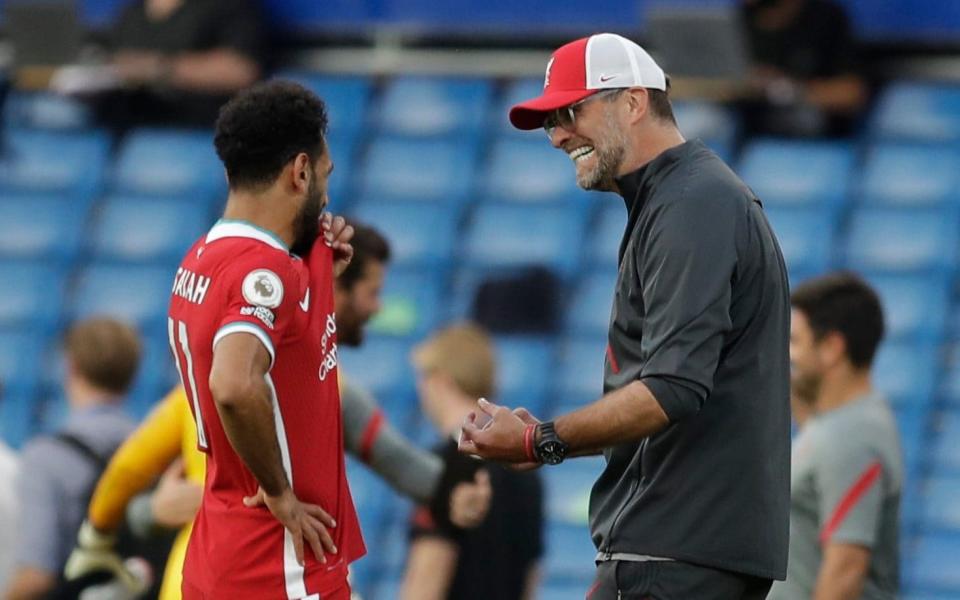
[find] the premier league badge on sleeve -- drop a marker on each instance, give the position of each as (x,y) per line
(263,288)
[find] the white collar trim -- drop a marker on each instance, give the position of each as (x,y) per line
(225,228)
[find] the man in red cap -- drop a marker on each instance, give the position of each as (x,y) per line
(694,422)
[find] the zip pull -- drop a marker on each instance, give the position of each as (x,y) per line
(619,597)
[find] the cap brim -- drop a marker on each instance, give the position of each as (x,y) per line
(530,114)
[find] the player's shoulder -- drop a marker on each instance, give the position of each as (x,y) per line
(240,247)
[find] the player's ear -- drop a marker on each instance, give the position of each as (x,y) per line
(301,172)
(638,103)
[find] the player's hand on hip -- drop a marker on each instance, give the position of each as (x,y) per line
(500,438)
(470,501)
(176,500)
(338,234)
(304,522)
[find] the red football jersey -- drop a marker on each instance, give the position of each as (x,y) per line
(239,278)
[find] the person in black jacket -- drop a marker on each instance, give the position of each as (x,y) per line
(497,560)
(695,418)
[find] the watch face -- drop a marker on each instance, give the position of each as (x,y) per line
(552,452)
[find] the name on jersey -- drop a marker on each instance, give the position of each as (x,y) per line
(264,314)
(190,286)
(329,362)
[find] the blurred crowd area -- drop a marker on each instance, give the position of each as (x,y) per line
(844,117)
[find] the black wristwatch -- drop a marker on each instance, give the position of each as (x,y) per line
(550,449)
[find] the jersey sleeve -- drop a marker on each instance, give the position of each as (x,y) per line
(686,261)
(850,481)
(260,296)
(138,462)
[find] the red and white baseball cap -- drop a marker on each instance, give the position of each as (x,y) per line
(583,68)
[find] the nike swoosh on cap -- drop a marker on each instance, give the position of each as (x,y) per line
(606,78)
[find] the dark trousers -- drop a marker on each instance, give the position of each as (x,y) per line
(669,580)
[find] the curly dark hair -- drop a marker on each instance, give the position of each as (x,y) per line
(263,128)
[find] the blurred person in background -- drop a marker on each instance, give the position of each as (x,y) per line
(9,467)
(694,422)
(169,433)
(498,559)
(58,472)
(847,464)
(175,62)
(805,71)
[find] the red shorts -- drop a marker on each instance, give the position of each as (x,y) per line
(192,593)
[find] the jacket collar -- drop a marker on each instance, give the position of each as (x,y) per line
(635,187)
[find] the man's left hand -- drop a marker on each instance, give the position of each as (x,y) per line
(499,439)
(338,234)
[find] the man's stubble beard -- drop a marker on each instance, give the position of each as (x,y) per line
(307,223)
(609,156)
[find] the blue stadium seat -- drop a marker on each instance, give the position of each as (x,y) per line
(33,296)
(344,148)
(565,589)
(912,427)
(510,235)
(915,306)
(941,511)
(950,391)
(580,367)
(346,97)
(906,373)
(137,294)
(411,304)
(896,240)
(155,378)
(424,106)
(45,110)
(589,312)
(569,553)
(918,111)
(21,351)
(382,365)
(531,170)
(606,234)
(910,175)
(170,163)
(922,595)
(70,163)
(708,121)
(945,451)
(567,491)
(806,237)
(426,170)
(18,418)
(517,91)
(934,564)
(143,229)
(420,234)
(524,372)
(792,173)
(45,226)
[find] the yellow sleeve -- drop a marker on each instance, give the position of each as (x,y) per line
(138,462)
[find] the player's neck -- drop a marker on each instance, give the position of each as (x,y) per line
(263,211)
(82,395)
(842,389)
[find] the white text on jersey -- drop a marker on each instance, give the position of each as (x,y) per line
(329,361)
(190,286)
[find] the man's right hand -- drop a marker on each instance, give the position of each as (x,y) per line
(302,520)
(95,553)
